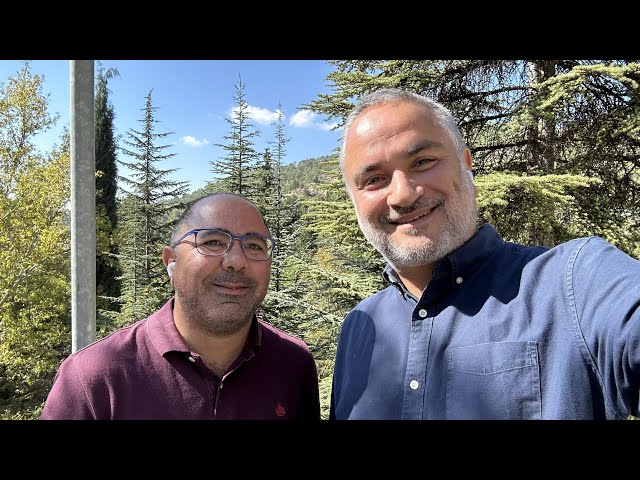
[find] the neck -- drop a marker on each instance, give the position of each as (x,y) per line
(217,351)
(416,279)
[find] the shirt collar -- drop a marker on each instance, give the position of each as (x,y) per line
(165,337)
(469,255)
(460,262)
(163,332)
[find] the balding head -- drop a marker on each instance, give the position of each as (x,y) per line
(196,213)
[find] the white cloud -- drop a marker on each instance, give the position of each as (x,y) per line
(263,116)
(193,141)
(302,119)
(307,119)
(327,126)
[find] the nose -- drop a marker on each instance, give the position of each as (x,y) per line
(234,259)
(403,190)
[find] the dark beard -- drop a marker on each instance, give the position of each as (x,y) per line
(220,323)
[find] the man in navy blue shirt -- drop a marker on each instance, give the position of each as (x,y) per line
(471,326)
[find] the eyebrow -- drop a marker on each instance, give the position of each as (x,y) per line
(411,151)
(231,233)
(424,145)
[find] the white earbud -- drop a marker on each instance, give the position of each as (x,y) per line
(170,268)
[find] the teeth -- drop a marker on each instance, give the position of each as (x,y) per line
(398,221)
(416,217)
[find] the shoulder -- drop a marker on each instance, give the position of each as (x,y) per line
(383,304)
(386,295)
(595,255)
(523,252)
(84,380)
(272,335)
(583,252)
(386,298)
(108,351)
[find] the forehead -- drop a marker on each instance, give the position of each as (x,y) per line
(392,118)
(394,131)
(229,213)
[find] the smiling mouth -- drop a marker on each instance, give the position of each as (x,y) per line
(231,289)
(412,218)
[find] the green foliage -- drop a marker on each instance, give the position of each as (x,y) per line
(328,268)
(533,210)
(302,178)
(534,118)
(264,195)
(233,172)
(145,228)
(107,265)
(279,213)
(106,161)
(555,145)
(34,260)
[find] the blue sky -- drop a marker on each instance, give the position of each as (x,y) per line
(194,97)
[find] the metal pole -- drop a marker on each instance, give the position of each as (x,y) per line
(83,206)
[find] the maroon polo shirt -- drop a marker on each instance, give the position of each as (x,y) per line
(145,371)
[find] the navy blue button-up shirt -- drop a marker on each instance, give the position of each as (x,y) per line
(502,331)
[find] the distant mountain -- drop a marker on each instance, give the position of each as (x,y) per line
(298,177)
(303,175)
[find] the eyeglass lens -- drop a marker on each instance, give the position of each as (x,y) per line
(216,242)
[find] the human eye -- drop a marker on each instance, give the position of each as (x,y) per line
(373,182)
(257,244)
(213,241)
(424,163)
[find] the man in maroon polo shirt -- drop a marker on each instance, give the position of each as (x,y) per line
(204,355)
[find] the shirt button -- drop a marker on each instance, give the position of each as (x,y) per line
(459,280)
(422,312)
(414,384)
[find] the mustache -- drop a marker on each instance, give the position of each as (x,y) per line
(232,277)
(421,203)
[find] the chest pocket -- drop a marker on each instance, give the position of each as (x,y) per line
(494,381)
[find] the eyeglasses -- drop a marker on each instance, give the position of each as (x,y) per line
(211,241)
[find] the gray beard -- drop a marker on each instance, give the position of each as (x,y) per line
(461,217)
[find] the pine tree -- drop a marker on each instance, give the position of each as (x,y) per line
(107,267)
(264,180)
(554,120)
(233,172)
(327,269)
(145,217)
(280,213)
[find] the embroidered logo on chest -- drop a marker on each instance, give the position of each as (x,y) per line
(280,411)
